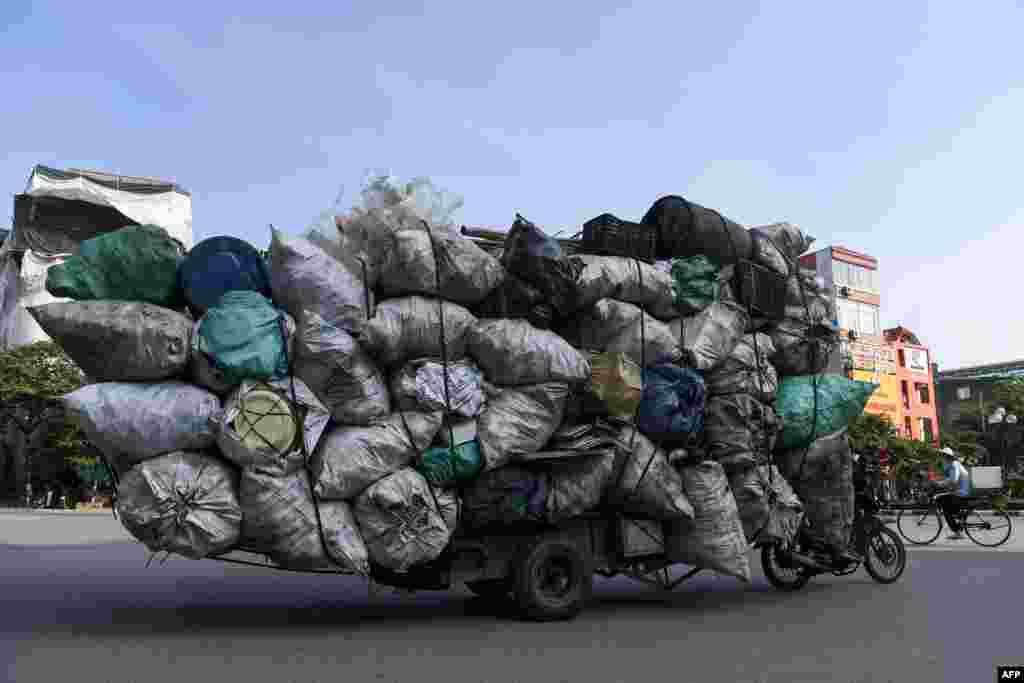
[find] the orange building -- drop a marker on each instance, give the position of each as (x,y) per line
(918,414)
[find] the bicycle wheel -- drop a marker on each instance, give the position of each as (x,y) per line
(919,527)
(991,531)
(885,557)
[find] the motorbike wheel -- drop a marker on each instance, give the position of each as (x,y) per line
(885,556)
(779,573)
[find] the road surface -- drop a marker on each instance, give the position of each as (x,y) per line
(79,604)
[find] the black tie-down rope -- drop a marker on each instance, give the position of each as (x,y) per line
(444,373)
(771,494)
(622,461)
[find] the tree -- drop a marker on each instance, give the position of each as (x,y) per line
(869,432)
(32,380)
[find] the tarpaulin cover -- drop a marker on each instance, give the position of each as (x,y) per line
(185,503)
(410,327)
(340,372)
(814,406)
(133,421)
(137,263)
(119,341)
(8,299)
(624,279)
(714,539)
(279,519)
(513,352)
(143,200)
(219,265)
(616,326)
(400,521)
(352,458)
(28,290)
(519,420)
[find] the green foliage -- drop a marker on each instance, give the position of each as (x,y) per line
(40,369)
(967,444)
(869,432)
(43,370)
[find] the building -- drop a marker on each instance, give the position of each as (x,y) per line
(962,394)
(964,400)
(57,212)
(917,400)
(863,354)
(3,236)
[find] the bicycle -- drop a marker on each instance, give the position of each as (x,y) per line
(921,526)
(789,566)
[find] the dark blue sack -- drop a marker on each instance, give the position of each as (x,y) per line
(672,403)
(219,265)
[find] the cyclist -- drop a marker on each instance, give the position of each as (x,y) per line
(959,486)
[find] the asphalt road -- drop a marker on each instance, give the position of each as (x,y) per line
(92,611)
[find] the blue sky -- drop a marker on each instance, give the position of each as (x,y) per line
(890,128)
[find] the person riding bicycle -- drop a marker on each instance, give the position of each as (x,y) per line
(958,486)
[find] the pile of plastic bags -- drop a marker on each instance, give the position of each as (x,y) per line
(385,381)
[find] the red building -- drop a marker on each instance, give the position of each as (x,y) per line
(919,417)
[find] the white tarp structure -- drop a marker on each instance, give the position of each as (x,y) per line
(60,209)
(144,200)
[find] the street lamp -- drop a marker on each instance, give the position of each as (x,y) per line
(1004,420)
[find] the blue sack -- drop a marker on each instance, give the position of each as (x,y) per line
(672,403)
(219,265)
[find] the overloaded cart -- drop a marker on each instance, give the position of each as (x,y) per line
(392,397)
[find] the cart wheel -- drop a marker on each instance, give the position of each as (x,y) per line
(492,588)
(553,581)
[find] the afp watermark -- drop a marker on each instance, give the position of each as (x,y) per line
(1010,673)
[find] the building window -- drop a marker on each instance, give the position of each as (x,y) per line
(963,393)
(857,277)
(861,318)
(926,429)
(903,358)
(908,428)
(923,393)
(905,390)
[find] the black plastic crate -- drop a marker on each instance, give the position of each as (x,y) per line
(760,290)
(610,236)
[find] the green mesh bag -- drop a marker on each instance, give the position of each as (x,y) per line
(136,263)
(695,284)
(839,400)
